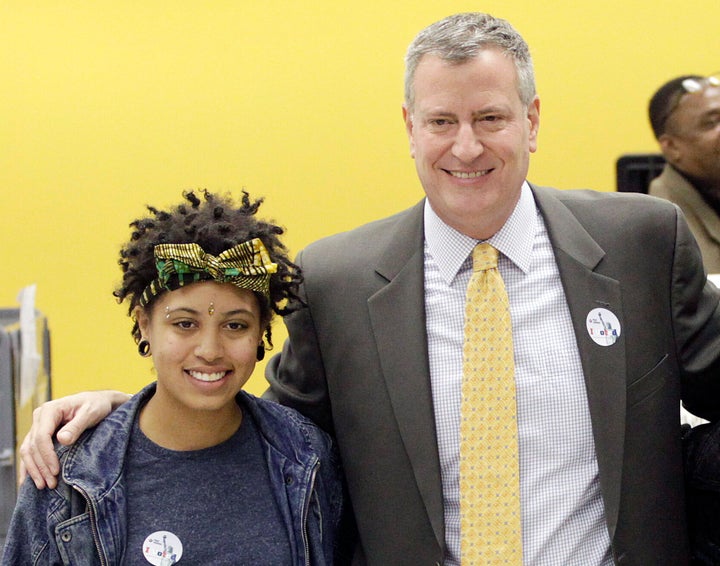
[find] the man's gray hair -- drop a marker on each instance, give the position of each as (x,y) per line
(459,38)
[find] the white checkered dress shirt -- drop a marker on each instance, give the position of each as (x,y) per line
(563,518)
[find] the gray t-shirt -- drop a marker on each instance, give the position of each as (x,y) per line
(211,506)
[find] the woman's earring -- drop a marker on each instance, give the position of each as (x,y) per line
(144,348)
(260,352)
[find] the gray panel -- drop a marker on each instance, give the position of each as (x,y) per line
(7,435)
(9,403)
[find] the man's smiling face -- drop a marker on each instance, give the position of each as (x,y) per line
(471,138)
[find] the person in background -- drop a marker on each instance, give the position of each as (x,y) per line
(685,118)
(192,469)
(610,322)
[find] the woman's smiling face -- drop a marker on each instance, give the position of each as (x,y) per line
(203,340)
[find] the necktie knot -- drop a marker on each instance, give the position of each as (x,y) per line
(484,257)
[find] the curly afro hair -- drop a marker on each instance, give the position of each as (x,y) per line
(216,223)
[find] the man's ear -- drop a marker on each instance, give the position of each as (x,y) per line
(669,147)
(533,114)
(408,119)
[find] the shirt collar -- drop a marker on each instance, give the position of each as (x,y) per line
(450,248)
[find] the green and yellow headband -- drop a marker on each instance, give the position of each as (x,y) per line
(246,265)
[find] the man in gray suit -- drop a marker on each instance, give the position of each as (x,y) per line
(612,324)
(376,355)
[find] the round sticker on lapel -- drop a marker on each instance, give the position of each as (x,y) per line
(603,327)
(162,548)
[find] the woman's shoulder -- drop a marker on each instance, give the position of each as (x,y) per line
(283,424)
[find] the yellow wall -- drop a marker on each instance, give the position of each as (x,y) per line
(108,105)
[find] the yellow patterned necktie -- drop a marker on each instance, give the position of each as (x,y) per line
(489,465)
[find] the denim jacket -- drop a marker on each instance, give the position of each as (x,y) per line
(83,520)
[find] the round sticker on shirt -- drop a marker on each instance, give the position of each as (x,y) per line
(603,327)
(162,548)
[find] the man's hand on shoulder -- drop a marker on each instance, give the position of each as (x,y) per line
(75,413)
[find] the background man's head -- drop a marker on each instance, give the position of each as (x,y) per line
(685,118)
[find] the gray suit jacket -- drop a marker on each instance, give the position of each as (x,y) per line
(356,362)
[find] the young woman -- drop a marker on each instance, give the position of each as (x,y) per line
(192,469)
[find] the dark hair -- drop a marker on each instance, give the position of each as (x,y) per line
(664,101)
(215,223)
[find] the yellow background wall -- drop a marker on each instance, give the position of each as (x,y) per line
(108,105)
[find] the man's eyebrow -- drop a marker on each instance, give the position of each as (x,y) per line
(438,112)
(494,109)
(711,112)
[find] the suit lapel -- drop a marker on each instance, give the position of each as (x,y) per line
(577,256)
(398,311)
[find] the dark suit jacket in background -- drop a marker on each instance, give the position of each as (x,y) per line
(356,362)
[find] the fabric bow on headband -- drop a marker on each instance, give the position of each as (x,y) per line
(246,265)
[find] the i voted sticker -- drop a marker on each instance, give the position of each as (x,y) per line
(603,327)
(162,548)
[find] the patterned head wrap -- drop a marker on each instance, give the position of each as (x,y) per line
(246,265)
